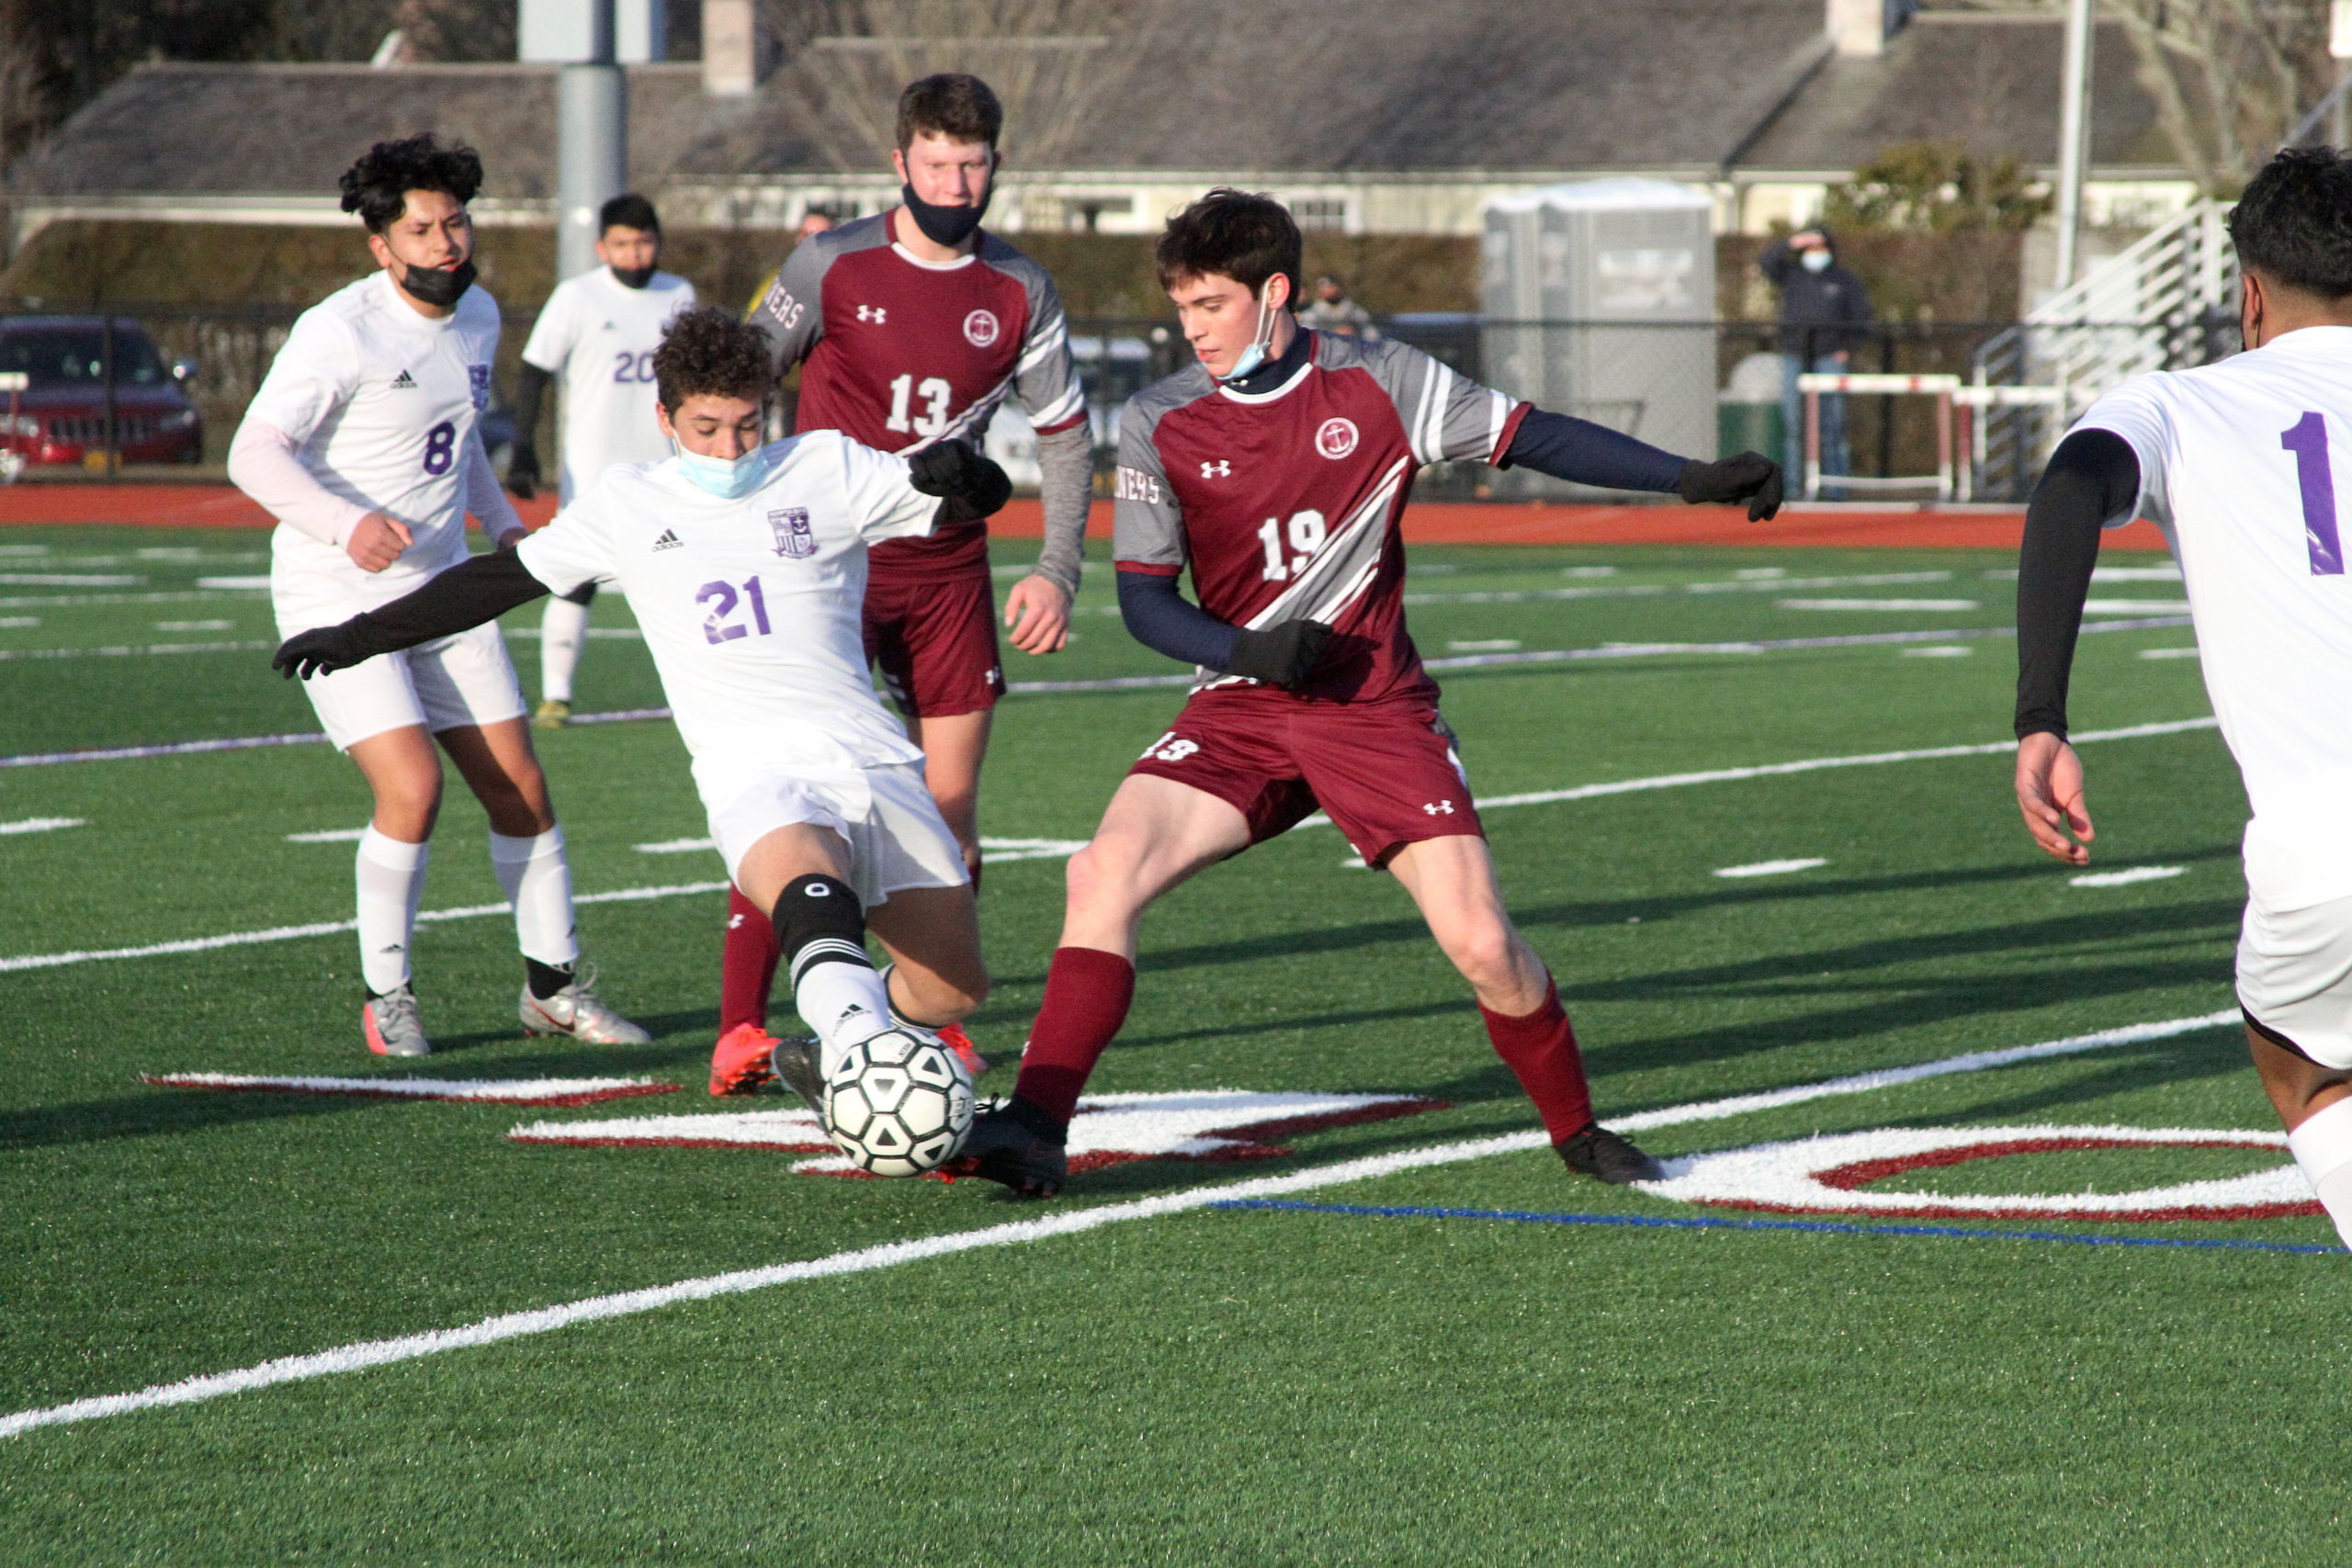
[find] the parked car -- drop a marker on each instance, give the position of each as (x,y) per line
(60,415)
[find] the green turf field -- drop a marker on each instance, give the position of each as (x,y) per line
(1472,1360)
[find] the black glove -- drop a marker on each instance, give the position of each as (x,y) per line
(1280,655)
(970,485)
(323,650)
(522,470)
(1750,477)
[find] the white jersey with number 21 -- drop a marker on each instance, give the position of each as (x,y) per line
(2242,465)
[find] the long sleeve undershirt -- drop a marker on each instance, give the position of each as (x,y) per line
(1163,620)
(263,462)
(1066,491)
(2093,476)
(477,589)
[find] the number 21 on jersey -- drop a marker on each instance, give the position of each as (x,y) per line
(718,622)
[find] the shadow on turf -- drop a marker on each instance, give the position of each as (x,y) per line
(175,1110)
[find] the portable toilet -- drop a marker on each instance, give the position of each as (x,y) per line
(1599,301)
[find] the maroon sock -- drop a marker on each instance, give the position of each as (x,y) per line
(1088,993)
(1541,1048)
(748,969)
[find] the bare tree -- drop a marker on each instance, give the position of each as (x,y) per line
(2230,77)
(1051,61)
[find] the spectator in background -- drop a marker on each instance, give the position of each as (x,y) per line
(1825,316)
(1333,311)
(814,221)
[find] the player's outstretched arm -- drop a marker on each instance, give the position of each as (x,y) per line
(481,589)
(1583,452)
(2092,477)
(523,475)
(969,485)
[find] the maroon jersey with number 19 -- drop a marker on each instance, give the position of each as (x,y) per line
(901,353)
(1284,502)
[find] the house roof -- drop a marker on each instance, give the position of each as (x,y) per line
(1380,87)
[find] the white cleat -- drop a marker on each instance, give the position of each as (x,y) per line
(578,1011)
(392,1026)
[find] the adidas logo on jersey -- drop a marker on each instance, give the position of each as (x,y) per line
(669,540)
(403,382)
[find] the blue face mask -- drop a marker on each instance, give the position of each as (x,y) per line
(728,478)
(1253,358)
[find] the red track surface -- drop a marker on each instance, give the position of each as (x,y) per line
(1435,523)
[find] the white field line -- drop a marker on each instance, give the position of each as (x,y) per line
(329,836)
(329,927)
(41,823)
(860,1260)
(2125,878)
(1773,867)
(1139,682)
(1876,603)
(125,651)
(52,601)
(69,580)
(486,1091)
(1051,849)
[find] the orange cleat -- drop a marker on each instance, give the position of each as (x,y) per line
(739,1063)
(952,1036)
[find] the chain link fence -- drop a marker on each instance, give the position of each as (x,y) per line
(140,391)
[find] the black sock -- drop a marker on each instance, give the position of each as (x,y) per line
(545,978)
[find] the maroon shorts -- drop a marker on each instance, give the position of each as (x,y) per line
(935,644)
(1385,771)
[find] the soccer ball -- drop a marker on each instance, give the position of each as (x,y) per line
(899,1103)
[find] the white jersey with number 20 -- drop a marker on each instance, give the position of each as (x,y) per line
(2242,465)
(599,335)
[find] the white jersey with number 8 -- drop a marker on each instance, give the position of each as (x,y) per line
(382,405)
(2242,465)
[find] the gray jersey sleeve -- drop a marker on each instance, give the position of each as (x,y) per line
(1445,415)
(793,309)
(1148,525)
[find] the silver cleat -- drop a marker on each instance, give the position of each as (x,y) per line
(796,1061)
(578,1011)
(392,1026)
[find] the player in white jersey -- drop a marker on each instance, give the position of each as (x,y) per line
(2236,462)
(363,442)
(746,567)
(598,333)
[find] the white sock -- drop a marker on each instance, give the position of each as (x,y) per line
(2322,1146)
(843,1004)
(560,634)
(390,875)
(538,889)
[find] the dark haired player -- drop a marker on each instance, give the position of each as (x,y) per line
(598,333)
(746,564)
(911,327)
(1276,469)
(364,442)
(2236,463)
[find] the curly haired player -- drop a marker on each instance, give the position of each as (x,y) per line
(1276,469)
(746,564)
(364,442)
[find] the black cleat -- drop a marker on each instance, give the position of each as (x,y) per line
(797,1061)
(1602,1155)
(1003,1148)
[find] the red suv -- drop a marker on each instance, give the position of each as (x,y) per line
(60,415)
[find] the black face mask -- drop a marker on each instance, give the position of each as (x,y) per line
(944,225)
(439,286)
(633,276)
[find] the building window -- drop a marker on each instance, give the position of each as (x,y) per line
(1319,211)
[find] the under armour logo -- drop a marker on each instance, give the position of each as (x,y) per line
(872,314)
(1218,470)
(734,922)
(1437,807)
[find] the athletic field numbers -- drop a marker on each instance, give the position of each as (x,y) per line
(1303,535)
(440,448)
(717,622)
(2307,439)
(934,392)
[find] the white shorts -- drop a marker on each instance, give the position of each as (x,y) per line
(441,684)
(2295,975)
(896,837)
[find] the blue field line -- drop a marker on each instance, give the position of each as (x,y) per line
(1662,1221)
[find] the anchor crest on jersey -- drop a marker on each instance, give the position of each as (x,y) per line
(793,537)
